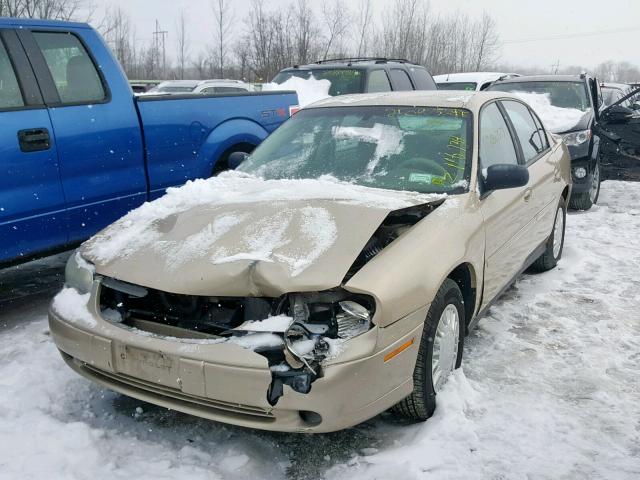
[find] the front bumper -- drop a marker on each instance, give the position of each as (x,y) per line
(227,383)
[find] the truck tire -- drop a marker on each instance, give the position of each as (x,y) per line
(439,331)
(549,259)
(586,200)
(223,162)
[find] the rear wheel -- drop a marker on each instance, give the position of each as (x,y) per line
(440,352)
(555,243)
(586,200)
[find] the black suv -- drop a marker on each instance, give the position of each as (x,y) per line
(363,75)
(596,132)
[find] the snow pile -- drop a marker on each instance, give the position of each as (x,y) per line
(387,138)
(72,306)
(137,229)
(309,90)
(556,119)
(277,323)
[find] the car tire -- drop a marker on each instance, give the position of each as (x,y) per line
(421,404)
(586,200)
(555,244)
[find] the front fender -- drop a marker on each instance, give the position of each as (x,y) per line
(226,135)
(407,274)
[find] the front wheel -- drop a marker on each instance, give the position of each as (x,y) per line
(586,200)
(440,352)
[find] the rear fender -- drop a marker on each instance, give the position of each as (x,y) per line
(224,136)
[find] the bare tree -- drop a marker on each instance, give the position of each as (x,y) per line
(305,32)
(365,16)
(183,43)
(54,9)
(336,17)
(486,41)
(224,19)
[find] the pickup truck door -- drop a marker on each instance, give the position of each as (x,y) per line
(96,126)
(32,203)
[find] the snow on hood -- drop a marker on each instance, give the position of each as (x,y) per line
(239,235)
(309,90)
(556,119)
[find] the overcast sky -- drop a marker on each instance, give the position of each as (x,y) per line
(533,32)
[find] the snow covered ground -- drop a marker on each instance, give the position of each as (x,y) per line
(549,389)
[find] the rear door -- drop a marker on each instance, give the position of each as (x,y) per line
(32,203)
(543,190)
(97,130)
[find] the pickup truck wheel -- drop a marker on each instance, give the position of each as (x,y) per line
(223,162)
(440,352)
(586,200)
(549,259)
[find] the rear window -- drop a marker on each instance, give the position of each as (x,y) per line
(560,94)
(344,81)
(471,86)
(421,79)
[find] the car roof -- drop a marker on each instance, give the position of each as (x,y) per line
(424,98)
(353,64)
(543,78)
(35,22)
(478,77)
(619,86)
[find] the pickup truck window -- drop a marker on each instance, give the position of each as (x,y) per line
(379,82)
(10,95)
(71,67)
(401,79)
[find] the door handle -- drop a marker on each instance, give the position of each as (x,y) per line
(528,193)
(34,140)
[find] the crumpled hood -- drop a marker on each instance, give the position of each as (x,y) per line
(300,236)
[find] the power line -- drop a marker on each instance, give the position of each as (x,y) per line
(573,35)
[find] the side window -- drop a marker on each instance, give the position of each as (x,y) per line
(496,144)
(526,129)
(378,81)
(400,79)
(10,95)
(421,79)
(543,135)
(73,71)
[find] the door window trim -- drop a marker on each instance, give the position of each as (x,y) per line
(31,97)
(43,74)
(383,70)
(391,69)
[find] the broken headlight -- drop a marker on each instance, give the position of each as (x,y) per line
(79,273)
(321,322)
(574,139)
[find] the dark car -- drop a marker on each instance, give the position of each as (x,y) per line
(620,158)
(363,75)
(580,92)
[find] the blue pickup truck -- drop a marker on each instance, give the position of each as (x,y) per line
(78,150)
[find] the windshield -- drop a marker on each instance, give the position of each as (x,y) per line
(560,94)
(421,149)
(611,95)
(344,81)
(457,86)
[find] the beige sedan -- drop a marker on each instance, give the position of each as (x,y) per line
(333,275)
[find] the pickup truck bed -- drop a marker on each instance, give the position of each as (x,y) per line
(79,150)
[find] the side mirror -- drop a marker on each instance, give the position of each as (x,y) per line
(505,175)
(236,158)
(617,114)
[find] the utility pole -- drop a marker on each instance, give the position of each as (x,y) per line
(158,37)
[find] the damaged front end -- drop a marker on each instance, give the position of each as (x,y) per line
(295,332)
